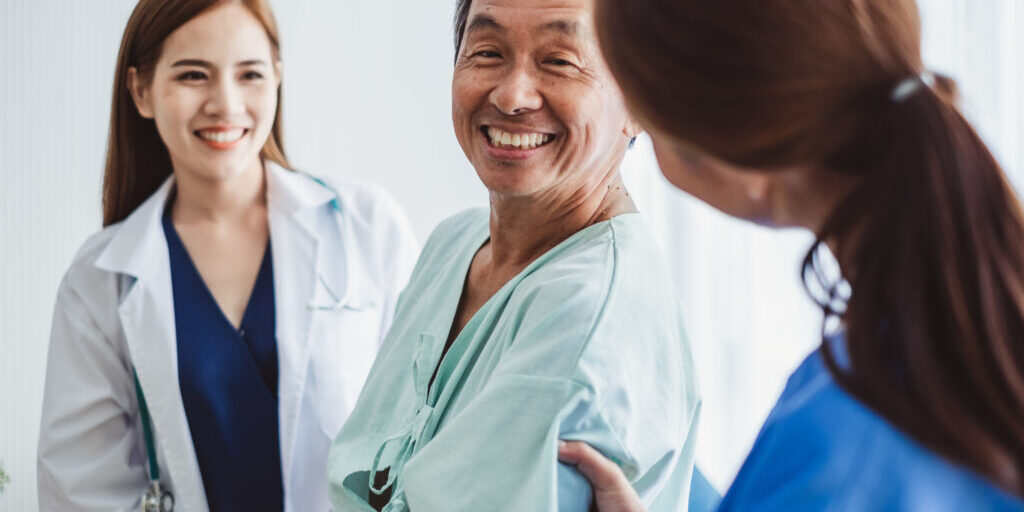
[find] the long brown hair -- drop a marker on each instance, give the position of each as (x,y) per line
(137,160)
(933,234)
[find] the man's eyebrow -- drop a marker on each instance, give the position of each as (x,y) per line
(483,21)
(569,28)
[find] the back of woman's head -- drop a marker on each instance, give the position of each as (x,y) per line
(932,237)
(137,160)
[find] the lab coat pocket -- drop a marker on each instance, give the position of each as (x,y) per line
(345,347)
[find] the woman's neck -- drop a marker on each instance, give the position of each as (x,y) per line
(524,228)
(203,200)
(811,198)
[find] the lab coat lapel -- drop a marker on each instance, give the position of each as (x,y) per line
(139,253)
(296,254)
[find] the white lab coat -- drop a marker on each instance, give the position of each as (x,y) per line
(350,247)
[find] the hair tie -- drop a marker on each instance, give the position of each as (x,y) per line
(909,86)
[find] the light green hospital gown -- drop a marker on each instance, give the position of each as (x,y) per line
(586,343)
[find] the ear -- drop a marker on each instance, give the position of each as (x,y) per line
(632,128)
(278,72)
(140,94)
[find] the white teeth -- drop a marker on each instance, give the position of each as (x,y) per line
(517,140)
(221,137)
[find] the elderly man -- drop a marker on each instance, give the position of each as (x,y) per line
(547,316)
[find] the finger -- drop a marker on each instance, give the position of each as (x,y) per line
(604,475)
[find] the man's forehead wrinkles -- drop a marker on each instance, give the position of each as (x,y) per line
(533,4)
(563,23)
(501,10)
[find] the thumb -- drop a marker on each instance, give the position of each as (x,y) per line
(604,475)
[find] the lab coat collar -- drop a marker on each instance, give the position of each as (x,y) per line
(132,248)
(292,192)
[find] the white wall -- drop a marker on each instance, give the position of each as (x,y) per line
(367,95)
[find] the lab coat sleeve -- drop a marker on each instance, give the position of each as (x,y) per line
(399,251)
(91,455)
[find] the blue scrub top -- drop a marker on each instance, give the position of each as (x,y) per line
(228,381)
(821,449)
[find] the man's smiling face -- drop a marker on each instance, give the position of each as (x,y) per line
(534,106)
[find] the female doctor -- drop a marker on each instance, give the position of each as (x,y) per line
(238,303)
(820,114)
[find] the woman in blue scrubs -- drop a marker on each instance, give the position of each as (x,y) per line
(820,114)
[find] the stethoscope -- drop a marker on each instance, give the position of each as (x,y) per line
(156,498)
(336,302)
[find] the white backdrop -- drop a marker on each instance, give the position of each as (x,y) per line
(367,95)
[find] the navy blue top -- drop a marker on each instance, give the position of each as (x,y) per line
(821,449)
(228,381)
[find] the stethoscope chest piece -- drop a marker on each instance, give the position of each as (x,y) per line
(157,499)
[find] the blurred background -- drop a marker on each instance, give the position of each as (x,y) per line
(367,95)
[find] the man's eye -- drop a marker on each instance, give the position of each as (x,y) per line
(559,62)
(487,54)
(190,76)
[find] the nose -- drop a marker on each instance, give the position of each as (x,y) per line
(517,93)
(225,99)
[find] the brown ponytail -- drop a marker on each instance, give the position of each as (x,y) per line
(932,237)
(137,160)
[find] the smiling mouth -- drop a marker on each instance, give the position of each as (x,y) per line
(515,141)
(222,136)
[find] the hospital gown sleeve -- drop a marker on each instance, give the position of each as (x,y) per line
(500,451)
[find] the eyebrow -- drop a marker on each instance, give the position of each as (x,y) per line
(483,21)
(204,64)
(569,28)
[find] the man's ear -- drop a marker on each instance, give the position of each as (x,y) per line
(140,94)
(632,128)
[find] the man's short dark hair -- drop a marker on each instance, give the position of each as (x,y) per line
(461,18)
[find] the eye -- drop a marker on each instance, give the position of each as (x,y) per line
(252,75)
(487,54)
(192,76)
(558,62)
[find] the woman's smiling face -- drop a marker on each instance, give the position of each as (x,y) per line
(534,106)
(213,93)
